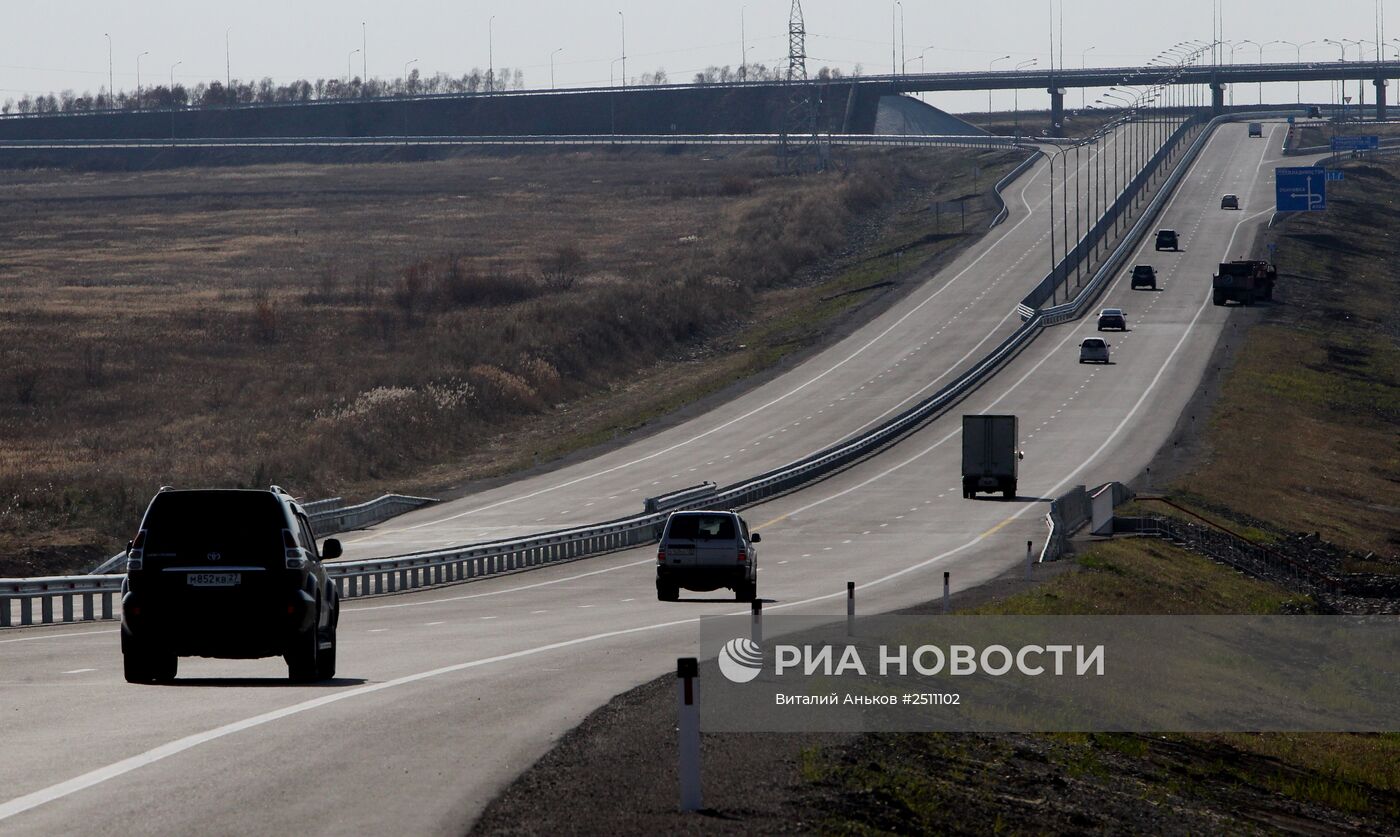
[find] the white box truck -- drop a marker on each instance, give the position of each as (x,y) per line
(990,455)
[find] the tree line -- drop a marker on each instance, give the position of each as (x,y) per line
(217,94)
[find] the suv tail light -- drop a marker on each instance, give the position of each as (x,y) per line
(661,555)
(136,551)
(296,556)
(743,554)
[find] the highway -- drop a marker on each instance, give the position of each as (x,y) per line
(911,350)
(445,695)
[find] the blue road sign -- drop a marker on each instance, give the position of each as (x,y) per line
(1336,174)
(1300,189)
(1356,143)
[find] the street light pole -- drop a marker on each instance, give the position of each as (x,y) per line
(349,72)
(228,63)
(490,53)
(1016,96)
(989,89)
(111,92)
(172,97)
(1082,65)
(623,18)
(364,58)
(743,48)
(551,66)
(138,78)
(1298,57)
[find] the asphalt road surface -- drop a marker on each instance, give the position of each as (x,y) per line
(445,695)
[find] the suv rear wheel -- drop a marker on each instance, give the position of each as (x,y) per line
(303,661)
(746,591)
(142,665)
(667,592)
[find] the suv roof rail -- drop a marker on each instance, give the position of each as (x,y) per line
(166,488)
(277,489)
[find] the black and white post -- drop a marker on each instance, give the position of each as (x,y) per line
(756,628)
(850,608)
(945,591)
(1030,562)
(687,672)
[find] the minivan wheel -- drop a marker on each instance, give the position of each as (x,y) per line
(667,592)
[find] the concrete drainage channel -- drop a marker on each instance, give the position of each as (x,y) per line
(91,597)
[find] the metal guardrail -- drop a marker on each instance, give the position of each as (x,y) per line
(695,495)
(335,519)
(449,566)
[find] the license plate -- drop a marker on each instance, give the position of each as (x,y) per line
(213,579)
(681,551)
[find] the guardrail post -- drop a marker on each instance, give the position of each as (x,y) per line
(88,615)
(46,609)
(687,693)
(945,591)
(26,611)
(106,606)
(67,607)
(5,617)
(756,609)
(850,608)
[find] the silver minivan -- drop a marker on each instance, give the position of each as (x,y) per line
(707,550)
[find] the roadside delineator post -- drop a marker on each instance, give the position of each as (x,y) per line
(850,608)
(1029,561)
(687,672)
(756,632)
(945,591)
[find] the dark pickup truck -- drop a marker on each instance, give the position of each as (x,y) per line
(1245,281)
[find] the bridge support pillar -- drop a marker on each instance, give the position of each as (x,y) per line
(1057,111)
(1217,98)
(1380,84)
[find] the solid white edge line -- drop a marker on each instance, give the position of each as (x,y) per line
(40,797)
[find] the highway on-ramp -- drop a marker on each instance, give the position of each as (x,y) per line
(910,351)
(447,694)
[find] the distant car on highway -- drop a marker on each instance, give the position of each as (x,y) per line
(1144,276)
(1113,318)
(1167,240)
(1093,350)
(232,574)
(1230,202)
(1256,129)
(707,550)
(1314,112)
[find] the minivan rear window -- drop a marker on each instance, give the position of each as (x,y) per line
(243,527)
(701,526)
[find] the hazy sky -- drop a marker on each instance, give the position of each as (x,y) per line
(60,44)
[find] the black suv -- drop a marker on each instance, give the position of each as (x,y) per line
(1167,240)
(227,573)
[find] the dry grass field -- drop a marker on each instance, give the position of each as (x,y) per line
(345,329)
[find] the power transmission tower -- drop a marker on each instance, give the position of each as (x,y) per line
(800,148)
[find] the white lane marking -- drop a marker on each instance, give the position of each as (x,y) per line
(80,671)
(377,630)
(504,591)
(992,247)
(56,636)
(486,617)
(537,612)
(629,600)
(95,777)
(431,624)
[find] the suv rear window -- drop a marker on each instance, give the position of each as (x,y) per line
(244,526)
(701,527)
